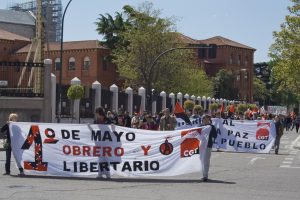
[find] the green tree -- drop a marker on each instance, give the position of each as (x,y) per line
(260,92)
(145,35)
(285,52)
(224,84)
(111,28)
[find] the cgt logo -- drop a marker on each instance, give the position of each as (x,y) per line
(190,146)
(263,132)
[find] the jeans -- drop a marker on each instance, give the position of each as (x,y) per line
(8,160)
(277,143)
(205,159)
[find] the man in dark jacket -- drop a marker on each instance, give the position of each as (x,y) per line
(12,118)
(211,138)
(279,132)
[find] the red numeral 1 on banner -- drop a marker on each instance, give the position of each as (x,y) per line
(35,136)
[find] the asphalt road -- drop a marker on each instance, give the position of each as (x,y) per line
(232,176)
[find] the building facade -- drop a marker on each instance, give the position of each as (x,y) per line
(229,55)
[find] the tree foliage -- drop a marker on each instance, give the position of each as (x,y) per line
(75,92)
(224,84)
(260,92)
(188,105)
(142,36)
(285,52)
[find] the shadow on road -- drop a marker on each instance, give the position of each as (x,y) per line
(128,180)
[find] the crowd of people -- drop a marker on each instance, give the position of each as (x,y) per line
(165,121)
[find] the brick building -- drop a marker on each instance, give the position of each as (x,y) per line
(83,59)
(87,60)
(229,55)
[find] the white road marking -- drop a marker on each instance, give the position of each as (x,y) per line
(288,158)
(285,166)
(296,141)
(252,161)
(287,162)
(293,152)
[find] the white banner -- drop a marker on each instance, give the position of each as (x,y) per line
(240,135)
(84,150)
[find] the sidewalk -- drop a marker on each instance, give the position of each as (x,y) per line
(1,145)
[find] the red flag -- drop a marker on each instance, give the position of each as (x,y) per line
(222,108)
(231,109)
(179,113)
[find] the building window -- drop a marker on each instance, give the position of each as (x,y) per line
(231,59)
(239,60)
(86,63)
(71,63)
(57,64)
(104,63)
(246,61)
(246,75)
(238,77)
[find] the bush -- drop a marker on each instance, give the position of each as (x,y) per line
(188,105)
(252,106)
(242,108)
(214,106)
(198,108)
(75,92)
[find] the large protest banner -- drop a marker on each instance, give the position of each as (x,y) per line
(84,150)
(239,135)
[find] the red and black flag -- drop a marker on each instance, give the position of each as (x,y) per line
(179,113)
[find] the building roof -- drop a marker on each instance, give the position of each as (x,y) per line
(5,35)
(187,39)
(72,45)
(16,17)
(221,41)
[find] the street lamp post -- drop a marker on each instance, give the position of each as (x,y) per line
(61,60)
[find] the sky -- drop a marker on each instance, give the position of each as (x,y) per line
(250,22)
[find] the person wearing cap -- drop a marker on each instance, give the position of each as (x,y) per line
(167,122)
(206,155)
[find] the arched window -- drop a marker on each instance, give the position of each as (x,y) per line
(71,63)
(57,64)
(239,59)
(86,63)
(231,59)
(246,61)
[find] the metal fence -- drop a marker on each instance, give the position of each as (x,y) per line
(21,79)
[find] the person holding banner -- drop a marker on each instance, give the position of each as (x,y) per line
(101,117)
(206,156)
(13,117)
(167,122)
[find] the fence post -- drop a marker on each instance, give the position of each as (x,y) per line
(142,93)
(199,100)
(53,97)
(179,98)
(204,102)
(115,100)
(164,99)
(76,110)
(186,96)
(47,110)
(97,87)
(172,96)
(209,101)
(129,91)
(193,97)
